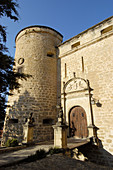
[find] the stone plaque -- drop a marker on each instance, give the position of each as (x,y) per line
(76,85)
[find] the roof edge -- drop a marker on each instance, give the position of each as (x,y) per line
(40,26)
(86,30)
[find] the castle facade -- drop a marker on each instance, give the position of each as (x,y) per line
(77,73)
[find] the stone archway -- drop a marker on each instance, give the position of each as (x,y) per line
(78,123)
(77,92)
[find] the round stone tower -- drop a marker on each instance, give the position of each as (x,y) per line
(36,55)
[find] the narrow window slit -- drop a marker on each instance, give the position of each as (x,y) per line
(50,54)
(82,64)
(65,70)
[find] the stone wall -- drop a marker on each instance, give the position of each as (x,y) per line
(87,56)
(90,56)
(36,55)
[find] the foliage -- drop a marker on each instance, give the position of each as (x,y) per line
(8,9)
(11,142)
(54,151)
(39,155)
(8,77)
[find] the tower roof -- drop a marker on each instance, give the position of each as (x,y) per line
(39,26)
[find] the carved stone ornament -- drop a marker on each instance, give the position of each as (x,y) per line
(76,85)
(21,61)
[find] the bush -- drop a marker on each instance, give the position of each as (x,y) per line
(54,151)
(38,155)
(41,154)
(11,142)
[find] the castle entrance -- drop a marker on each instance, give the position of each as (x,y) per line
(78,123)
(76,101)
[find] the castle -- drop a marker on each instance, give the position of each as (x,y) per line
(77,73)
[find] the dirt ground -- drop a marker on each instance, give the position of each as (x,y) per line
(57,162)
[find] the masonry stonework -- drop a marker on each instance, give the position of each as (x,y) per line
(91,60)
(36,55)
(77,73)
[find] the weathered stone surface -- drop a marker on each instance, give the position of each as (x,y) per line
(92,59)
(88,56)
(37,46)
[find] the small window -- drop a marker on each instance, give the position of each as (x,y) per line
(107,29)
(73,114)
(21,61)
(48,121)
(20,69)
(50,54)
(13,120)
(82,114)
(76,44)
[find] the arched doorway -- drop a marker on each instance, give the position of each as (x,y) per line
(78,122)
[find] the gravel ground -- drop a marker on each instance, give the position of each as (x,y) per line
(57,162)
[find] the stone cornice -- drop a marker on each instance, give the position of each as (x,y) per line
(87,44)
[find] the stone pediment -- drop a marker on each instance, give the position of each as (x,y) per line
(75,85)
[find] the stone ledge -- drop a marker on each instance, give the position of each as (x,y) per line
(10,149)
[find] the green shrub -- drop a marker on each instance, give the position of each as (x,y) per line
(11,142)
(38,155)
(41,154)
(54,151)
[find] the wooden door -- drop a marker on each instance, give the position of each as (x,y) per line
(78,123)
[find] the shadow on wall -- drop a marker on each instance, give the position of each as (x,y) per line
(18,113)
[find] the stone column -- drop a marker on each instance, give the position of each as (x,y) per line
(28,134)
(60,132)
(93,133)
(60,135)
(28,130)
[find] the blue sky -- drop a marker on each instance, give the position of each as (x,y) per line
(69,17)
